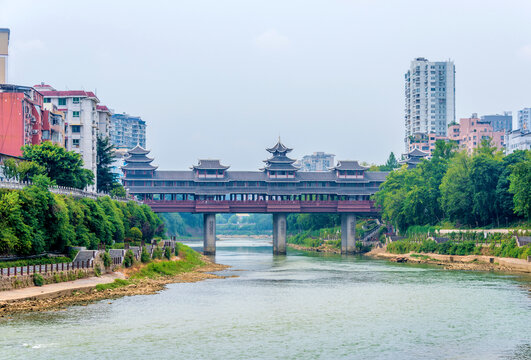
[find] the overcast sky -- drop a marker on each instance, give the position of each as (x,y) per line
(223,79)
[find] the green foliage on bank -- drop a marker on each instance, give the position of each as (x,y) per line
(190,259)
(117,283)
(482,189)
(36,261)
(508,248)
(34,220)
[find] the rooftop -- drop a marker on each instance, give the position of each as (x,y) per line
(349,165)
(209,164)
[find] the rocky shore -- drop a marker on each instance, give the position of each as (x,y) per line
(457,262)
(85,296)
(324,248)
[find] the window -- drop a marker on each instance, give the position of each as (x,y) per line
(47,100)
(76,128)
(75,114)
(62,102)
(75,100)
(75,143)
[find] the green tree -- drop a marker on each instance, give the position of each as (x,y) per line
(64,167)
(106,179)
(135,234)
(504,198)
(456,190)
(118,191)
(390,164)
(521,186)
(21,170)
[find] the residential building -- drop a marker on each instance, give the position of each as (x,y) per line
(318,161)
(104,121)
(4,157)
(500,122)
(119,160)
(53,125)
(81,121)
(429,98)
(4,45)
(20,118)
(425,142)
(524,119)
(127,131)
(519,139)
(470,131)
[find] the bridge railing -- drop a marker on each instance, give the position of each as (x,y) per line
(60,190)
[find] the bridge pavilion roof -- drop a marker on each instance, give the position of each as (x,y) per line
(137,160)
(210,165)
(349,165)
(279,161)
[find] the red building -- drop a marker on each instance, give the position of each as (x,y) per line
(20,118)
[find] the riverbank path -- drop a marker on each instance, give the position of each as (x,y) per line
(52,290)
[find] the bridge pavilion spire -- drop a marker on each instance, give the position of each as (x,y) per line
(279,165)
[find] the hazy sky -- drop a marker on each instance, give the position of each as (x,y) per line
(223,79)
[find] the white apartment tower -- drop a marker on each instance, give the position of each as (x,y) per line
(430,98)
(81,121)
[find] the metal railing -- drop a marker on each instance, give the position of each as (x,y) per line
(61,190)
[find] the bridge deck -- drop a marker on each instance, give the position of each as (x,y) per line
(264,206)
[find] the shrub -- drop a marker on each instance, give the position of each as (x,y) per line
(57,278)
(167,253)
(177,249)
(144,256)
(157,253)
(97,271)
(38,280)
(129,258)
(107,261)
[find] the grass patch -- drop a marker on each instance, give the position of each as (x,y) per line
(189,261)
(422,257)
(114,285)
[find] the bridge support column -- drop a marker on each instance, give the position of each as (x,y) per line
(348,233)
(209,234)
(279,234)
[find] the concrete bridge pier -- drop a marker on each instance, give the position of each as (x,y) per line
(279,234)
(348,233)
(209,234)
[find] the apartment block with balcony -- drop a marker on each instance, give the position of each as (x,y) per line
(471,131)
(318,161)
(81,121)
(499,122)
(524,119)
(128,131)
(429,99)
(104,121)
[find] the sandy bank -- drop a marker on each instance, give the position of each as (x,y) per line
(82,292)
(458,262)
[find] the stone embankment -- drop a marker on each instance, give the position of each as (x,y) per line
(83,292)
(457,262)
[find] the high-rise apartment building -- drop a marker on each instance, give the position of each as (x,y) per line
(4,45)
(81,121)
(500,122)
(524,119)
(318,161)
(128,131)
(430,98)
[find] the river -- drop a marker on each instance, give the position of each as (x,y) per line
(301,306)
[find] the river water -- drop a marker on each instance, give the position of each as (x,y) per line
(301,306)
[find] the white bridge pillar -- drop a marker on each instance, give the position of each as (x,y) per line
(209,234)
(279,234)
(348,233)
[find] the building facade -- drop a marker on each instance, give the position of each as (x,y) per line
(524,119)
(20,118)
(425,142)
(104,121)
(471,131)
(429,98)
(318,161)
(518,140)
(127,131)
(53,128)
(81,121)
(4,46)
(499,122)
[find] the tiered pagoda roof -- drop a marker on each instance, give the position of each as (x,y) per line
(137,160)
(279,161)
(413,158)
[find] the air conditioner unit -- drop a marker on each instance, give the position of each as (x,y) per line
(34,132)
